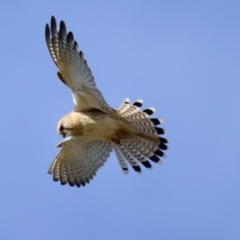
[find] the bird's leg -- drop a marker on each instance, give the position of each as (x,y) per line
(116,138)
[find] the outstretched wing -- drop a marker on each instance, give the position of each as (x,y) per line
(74,70)
(79,159)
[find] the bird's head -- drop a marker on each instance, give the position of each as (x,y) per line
(62,127)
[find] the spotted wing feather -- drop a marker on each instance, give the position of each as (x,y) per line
(79,159)
(73,68)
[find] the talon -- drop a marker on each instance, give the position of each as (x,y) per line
(116,139)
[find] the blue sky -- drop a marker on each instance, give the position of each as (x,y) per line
(181,57)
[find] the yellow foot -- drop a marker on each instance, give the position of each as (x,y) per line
(116,138)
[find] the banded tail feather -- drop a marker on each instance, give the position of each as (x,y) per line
(144,147)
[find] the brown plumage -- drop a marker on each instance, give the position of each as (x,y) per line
(93,128)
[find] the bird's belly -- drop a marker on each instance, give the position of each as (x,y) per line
(102,127)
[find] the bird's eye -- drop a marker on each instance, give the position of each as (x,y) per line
(61,128)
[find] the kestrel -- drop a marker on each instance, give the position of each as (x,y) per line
(93,129)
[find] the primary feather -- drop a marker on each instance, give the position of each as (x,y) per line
(74,70)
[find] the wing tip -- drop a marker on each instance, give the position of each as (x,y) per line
(53,25)
(47,33)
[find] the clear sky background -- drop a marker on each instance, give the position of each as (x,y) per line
(181,57)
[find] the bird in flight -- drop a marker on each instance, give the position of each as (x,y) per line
(93,129)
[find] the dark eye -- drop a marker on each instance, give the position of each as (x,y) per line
(61,131)
(61,128)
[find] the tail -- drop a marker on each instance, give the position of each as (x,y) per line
(145,146)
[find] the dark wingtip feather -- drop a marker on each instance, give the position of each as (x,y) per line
(70,38)
(53,19)
(162,146)
(62,182)
(62,31)
(72,184)
(55,179)
(83,183)
(75,45)
(159,130)
(53,25)
(146,164)
(154,158)
(47,33)
(81,54)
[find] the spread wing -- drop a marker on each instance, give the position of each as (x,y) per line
(74,70)
(79,159)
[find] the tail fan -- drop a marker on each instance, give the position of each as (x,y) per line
(140,149)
